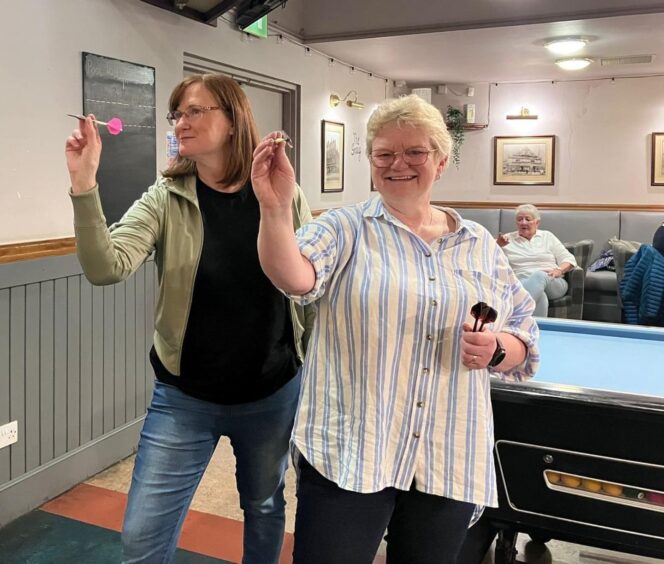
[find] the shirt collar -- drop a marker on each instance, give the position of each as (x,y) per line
(375,208)
(517,237)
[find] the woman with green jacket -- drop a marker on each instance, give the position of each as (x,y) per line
(227,344)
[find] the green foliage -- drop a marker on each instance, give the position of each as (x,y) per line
(455,120)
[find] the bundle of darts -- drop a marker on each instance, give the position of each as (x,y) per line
(483,313)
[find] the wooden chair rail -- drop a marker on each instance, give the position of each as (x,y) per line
(56,247)
(37,249)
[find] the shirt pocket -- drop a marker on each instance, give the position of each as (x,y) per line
(474,286)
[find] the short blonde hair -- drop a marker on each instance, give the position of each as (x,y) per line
(410,111)
(528,208)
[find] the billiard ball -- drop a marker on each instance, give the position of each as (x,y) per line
(591,485)
(552,477)
(612,489)
(570,481)
(655,497)
(634,493)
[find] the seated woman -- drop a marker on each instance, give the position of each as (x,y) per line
(538,258)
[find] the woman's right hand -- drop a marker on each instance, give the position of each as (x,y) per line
(272,175)
(502,240)
(83,151)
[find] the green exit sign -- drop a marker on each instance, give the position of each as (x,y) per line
(258,28)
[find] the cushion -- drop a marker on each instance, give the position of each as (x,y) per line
(623,245)
(602,281)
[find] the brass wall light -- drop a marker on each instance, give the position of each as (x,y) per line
(350,99)
(523,114)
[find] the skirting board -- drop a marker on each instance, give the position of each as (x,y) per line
(31,490)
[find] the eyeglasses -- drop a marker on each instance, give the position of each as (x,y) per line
(193,113)
(414,156)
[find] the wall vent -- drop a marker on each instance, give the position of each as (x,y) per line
(632,60)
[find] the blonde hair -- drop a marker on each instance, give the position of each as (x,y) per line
(234,103)
(410,111)
(529,209)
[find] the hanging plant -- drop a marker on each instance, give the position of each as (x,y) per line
(455,120)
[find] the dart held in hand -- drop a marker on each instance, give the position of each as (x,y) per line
(113,125)
(483,313)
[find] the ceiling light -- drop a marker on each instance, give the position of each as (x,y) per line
(574,63)
(566,45)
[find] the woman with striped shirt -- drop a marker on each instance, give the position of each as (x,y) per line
(394,428)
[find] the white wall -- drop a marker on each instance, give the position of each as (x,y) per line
(40,64)
(602,127)
(603,149)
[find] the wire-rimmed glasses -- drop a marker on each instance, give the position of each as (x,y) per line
(414,156)
(192,113)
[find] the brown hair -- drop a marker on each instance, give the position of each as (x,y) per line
(234,103)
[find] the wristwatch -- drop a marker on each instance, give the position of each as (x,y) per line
(498,354)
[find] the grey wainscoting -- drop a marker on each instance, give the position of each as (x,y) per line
(74,373)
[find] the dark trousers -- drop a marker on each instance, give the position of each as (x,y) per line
(336,526)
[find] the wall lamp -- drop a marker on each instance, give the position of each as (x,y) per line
(524,113)
(350,99)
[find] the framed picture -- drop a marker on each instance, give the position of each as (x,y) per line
(524,160)
(332,151)
(657,166)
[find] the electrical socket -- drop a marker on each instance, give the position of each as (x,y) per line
(470,92)
(8,434)
(441,89)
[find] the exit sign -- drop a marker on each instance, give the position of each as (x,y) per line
(258,28)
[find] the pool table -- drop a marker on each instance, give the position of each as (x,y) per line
(580,448)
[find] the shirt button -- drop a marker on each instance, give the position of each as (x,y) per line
(427,254)
(434,302)
(432,278)
(425,371)
(420,404)
(429,337)
(416,435)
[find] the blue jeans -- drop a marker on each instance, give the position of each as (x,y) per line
(541,287)
(178,439)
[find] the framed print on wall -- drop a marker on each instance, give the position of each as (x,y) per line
(332,161)
(657,160)
(524,160)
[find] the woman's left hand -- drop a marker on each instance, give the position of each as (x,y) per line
(272,175)
(477,347)
(554,272)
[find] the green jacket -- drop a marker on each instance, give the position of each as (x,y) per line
(167,220)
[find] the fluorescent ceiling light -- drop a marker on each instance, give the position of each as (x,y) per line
(566,45)
(574,63)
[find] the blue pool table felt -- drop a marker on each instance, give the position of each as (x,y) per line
(602,356)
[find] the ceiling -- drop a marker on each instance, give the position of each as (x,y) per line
(448,41)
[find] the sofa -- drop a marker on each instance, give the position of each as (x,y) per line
(600,296)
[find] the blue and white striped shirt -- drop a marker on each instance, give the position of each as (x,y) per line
(386,400)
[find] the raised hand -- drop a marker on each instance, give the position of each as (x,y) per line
(83,151)
(272,175)
(502,240)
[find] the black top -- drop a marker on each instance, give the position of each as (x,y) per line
(658,239)
(238,344)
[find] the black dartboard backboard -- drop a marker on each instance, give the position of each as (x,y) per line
(114,88)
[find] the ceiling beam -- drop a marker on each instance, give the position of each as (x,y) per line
(220,9)
(185,11)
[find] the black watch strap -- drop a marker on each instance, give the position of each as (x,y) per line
(498,355)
